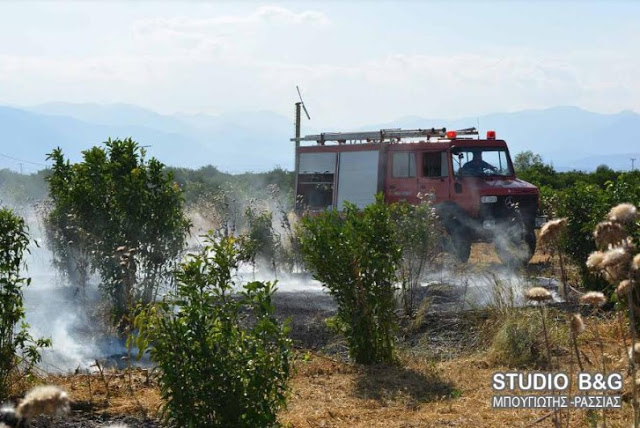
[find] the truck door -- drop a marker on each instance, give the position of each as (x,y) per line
(433,175)
(402,183)
(358,177)
(464,190)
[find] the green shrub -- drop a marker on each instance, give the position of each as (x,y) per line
(17,348)
(224,359)
(277,248)
(116,198)
(356,256)
(419,234)
(585,205)
(262,240)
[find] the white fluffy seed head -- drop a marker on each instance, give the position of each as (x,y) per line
(595,260)
(636,262)
(44,400)
(616,274)
(577,325)
(538,294)
(615,256)
(593,298)
(608,233)
(551,231)
(8,417)
(624,287)
(634,353)
(623,213)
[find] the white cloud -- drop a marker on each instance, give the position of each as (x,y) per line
(253,62)
(269,15)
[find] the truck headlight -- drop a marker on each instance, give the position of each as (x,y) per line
(489,224)
(488,199)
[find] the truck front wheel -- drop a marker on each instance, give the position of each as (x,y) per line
(461,245)
(515,245)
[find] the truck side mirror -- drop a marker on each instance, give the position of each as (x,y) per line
(457,187)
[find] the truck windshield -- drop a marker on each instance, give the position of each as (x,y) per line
(481,161)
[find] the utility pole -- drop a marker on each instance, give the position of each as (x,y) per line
(299,106)
(20,168)
(296,159)
(632,162)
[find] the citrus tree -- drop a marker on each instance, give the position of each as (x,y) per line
(355,255)
(224,358)
(119,215)
(17,347)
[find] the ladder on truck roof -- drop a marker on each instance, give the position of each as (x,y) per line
(385,135)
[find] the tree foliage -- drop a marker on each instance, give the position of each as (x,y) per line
(356,256)
(584,199)
(218,369)
(115,199)
(419,234)
(263,241)
(17,347)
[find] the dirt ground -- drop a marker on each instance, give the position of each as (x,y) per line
(443,378)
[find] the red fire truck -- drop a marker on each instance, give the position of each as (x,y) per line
(470,180)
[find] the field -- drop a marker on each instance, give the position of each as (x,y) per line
(446,355)
(443,378)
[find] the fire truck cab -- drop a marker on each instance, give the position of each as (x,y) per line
(470,181)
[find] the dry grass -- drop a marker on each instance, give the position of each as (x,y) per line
(454,393)
(416,393)
(126,394)
(419,392)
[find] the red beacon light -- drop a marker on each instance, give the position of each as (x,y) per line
(491,135)
(452,135)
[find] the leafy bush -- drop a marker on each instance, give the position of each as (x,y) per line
(114,199)
(530,167)
(218,368)
(263,242)
(356,256)
(419,234)
(585,205)
(17,347)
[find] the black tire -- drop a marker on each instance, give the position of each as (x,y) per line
(457,240)
(460,245)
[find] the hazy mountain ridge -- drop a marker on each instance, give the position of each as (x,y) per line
(567,137)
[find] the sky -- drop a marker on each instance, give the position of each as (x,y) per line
(356,62)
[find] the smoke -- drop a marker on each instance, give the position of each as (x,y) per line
(57,311)
(474,287)
(286,282)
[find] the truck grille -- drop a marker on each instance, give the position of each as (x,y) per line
(507,206)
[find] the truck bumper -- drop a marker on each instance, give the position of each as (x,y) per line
(540,221)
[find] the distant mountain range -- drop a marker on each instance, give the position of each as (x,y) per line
(567,137)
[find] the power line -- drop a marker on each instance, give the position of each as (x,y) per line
(21,160)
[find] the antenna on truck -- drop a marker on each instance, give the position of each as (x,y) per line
(298,105)
(302,102)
